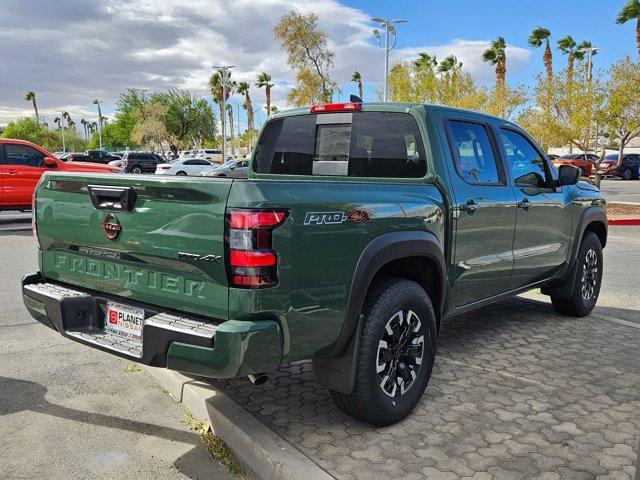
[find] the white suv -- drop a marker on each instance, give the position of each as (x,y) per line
(211,155)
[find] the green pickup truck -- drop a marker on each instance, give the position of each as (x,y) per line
(360,228)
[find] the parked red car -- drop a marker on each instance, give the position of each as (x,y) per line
(578,160)
(629,167)
(22,164)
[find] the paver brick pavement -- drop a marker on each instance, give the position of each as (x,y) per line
(517,392)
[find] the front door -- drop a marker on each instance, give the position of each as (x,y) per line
(23,167)
(543,221)
(485,212)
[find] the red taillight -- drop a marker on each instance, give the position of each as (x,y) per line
(251,258)
(337,107)
(252,262)
(250,219)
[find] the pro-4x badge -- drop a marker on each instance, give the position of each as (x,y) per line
(202,258)
(357,215)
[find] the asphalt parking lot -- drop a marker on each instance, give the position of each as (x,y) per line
(517,392)
(69,412)
(616,190)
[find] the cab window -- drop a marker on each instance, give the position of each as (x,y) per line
(23,155)
(527,164)
(473,153)
(362,144)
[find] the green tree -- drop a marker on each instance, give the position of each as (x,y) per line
(540,35)
(621,113)
(307,52)
(631,11)
(31,97)
(243,89)
(150,129)
(264,81)
(189,119)
(357,78)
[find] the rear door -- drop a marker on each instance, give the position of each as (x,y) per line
(23,167)
(163,245)
(485,211)
(543,222)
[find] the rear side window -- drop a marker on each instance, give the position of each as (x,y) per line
(362,144)
(473,154)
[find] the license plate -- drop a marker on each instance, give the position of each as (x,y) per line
(124,320)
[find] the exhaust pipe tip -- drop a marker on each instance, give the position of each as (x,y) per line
(258,378)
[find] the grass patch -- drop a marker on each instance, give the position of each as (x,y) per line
(132,368)
(218,450)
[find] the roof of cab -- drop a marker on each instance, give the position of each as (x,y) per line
(396,107)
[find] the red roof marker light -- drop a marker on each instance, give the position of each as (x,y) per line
(336,107)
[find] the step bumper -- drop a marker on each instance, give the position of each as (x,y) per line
(184,343)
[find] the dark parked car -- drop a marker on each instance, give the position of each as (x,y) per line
(100,156)
(628,169)
(139,162)
(77,157)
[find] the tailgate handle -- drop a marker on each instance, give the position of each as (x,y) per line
(112,198)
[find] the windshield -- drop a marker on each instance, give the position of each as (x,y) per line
(227,164)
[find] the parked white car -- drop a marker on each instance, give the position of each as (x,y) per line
(210,154)
(185,166)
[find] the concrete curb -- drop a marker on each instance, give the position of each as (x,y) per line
(265,452)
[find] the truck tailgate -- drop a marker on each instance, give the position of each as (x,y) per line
(167,238)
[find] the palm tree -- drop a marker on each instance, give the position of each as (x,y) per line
(357,78)
(569,47)
(264,80)
(425,60)
(58,122)
(243,89)
(215,85)
(31,97)
(540,35)
(448,64)
(496,55)
(84,124)
(630,11)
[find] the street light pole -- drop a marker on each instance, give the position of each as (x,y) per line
(590,53)
(389,28)
(224,69)
(62,116)
(97,102)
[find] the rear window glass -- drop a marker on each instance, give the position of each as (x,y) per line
(362,144)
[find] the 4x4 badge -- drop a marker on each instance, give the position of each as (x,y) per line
(111,227)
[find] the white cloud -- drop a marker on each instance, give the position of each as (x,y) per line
(75,51)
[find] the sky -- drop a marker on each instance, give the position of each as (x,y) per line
(73,51)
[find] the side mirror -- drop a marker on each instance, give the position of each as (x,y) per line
(568,175)
(50,162)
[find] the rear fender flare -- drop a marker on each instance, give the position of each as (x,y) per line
(337,370)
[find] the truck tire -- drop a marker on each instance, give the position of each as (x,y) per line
(136,170)
(396,354)
(587,281)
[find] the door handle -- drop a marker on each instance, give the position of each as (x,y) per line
(470,207)
(525,204)
(11,172)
